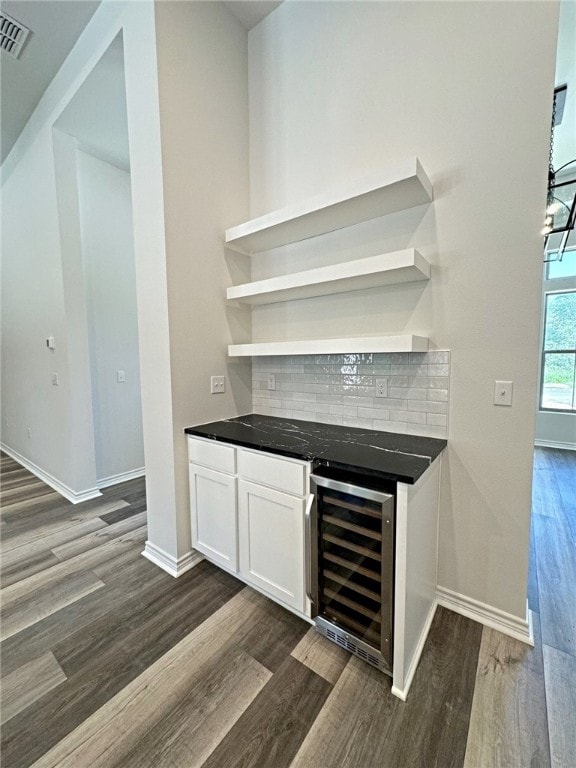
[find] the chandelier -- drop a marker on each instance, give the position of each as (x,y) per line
(561,196)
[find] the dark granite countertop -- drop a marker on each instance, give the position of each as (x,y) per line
(388,455)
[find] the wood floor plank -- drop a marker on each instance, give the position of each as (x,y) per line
(546,499)
(273,727)
(273,635)
(189,730)
(120,593)
(31,489)
(26,685)
(533,590)
(16,478)
(85,561)
(17,508)
(100,536)
(27,508)
(27,514)
(22,567)
(542,459)
(132,491)
(45,544)
(151,625)
(47,598)
(59,520)
(509,723)
(106,659)
(556,565)
(363,724)
(321,656)
(560,675)
(358,712)
(118,725)
(565,474)
(127,562)
(118,515)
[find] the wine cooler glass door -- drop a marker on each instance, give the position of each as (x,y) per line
(355,538)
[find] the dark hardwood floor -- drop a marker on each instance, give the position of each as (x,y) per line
(108,661)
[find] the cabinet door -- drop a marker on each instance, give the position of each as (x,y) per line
(214,520)
(271,542)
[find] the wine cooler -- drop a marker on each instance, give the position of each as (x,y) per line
(350,565)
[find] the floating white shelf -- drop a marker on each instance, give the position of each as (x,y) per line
(402,185)
(365,344)
(386,269)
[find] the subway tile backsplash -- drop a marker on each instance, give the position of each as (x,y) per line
(341,389)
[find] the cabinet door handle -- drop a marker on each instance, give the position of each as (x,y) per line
(308,546)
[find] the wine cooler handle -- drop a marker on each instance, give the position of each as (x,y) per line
(308,546)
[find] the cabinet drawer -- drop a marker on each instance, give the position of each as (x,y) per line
(210,453)
(282,474)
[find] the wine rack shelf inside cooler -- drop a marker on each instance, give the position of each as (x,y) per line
(350,574)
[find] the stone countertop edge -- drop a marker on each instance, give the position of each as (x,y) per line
(390,455)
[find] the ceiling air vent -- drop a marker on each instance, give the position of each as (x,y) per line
(13,35)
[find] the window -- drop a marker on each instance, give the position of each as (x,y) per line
(558,386)
(564,268)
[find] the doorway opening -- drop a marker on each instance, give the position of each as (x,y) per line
(93,165)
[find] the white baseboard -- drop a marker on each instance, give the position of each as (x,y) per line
(123,477)
(552,444)
(76,497)
(520,629)
(175,567)
(402,693)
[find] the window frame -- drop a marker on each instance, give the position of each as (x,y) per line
(553,287)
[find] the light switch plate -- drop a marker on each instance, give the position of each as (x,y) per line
(503,392)
(217,385)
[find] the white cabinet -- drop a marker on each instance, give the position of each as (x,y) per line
(271,542)
(251,523)
(213,516)
(248,513)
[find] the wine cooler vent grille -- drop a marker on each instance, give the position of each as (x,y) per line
(350,644)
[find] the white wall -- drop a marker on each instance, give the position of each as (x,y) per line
(108,252)
(33,309)
(34,288)
(339,90)
(81,462)
(202,77)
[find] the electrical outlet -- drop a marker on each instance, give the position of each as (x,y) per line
(55,380)
(503,392)
(217,385)
(271,381)
(381,387)
(29,433)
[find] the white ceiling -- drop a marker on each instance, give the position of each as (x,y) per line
(251,12)
(55,27)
